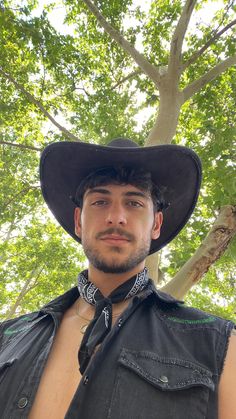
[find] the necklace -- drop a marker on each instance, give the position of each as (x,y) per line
(85,325)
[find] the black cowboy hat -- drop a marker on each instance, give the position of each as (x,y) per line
(177,169)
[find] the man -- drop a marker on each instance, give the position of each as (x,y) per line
(115,347)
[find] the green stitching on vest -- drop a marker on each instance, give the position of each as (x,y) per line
(11,330)
(209,319)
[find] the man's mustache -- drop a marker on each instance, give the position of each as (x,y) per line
(117,231)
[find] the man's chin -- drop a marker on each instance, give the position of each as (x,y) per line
(114,266)
(115,269)
(117,263)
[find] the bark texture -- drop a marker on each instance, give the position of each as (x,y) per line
(212,247)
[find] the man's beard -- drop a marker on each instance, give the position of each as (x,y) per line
(112,266)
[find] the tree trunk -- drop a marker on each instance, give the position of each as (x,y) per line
(164,128)
(212,247)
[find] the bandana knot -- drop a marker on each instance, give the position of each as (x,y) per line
(101,324)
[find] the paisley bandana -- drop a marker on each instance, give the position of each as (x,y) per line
(101,324)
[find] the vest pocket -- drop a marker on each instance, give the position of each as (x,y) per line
(148,386)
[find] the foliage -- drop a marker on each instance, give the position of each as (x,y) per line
(81,77)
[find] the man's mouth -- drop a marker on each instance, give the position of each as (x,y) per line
(114,239)
(115,236)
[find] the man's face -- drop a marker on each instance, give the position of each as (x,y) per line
(116,226)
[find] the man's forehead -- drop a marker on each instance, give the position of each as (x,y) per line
(126,190)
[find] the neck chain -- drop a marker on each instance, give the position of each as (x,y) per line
(85,325)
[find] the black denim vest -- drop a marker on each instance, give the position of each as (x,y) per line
(161,360)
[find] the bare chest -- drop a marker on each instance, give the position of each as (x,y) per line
(61,375)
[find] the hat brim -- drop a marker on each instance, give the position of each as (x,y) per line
(176,169)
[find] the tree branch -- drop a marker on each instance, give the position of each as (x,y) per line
(22,192)
(129,76)
(206,78)
(211,249)
(7,235)
(178,38)
(26,288)
(39,105)
(21,146)
(197,54)
(152,263)
(139,58)
(83,90)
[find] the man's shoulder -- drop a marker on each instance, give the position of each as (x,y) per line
(15,326)
(193,316)
(9,329)
(178,313)
(10,323)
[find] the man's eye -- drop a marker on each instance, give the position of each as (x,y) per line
(99,203)
(135,204)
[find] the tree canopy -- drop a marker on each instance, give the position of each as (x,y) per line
(156,72)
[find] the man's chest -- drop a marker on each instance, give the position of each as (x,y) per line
(61,375)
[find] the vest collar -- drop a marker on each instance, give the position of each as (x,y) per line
(64,301)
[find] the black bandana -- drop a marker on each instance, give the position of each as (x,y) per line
(101,324)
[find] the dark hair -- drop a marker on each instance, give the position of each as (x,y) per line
(121,175)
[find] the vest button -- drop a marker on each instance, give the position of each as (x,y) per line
(163,379)
(22,402)
(120,321)
(86,380)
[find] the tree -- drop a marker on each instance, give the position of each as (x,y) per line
(121,60)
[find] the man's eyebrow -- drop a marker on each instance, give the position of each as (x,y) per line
(137,193)
(107,192)
(98,190)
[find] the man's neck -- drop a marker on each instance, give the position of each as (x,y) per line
(107,282)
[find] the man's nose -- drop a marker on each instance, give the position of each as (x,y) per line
(116,215)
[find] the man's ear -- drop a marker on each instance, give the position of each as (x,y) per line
(158,219)
(77,220)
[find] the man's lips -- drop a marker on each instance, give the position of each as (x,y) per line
(115,235)
(112,238)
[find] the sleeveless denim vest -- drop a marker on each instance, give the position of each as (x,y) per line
(161,360)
